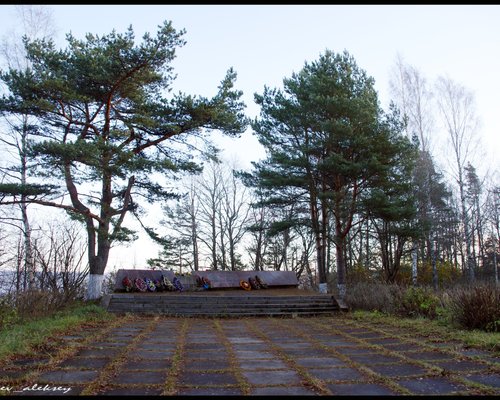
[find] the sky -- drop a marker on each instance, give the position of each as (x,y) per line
(266,43)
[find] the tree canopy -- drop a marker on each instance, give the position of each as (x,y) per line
(104,121)
(329,145)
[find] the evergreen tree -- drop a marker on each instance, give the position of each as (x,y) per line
(103,122)
(390,204)
(326,146)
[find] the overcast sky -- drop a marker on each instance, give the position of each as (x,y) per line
(266,43)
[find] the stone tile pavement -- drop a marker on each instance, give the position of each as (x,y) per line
(250,356)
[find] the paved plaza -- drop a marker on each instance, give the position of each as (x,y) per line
(337,355)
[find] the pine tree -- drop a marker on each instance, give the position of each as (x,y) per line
(103,121)
(326,146)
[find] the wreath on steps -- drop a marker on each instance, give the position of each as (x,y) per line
(158,285)
(261,282)
(150,285)
(140,285)
(245,285)
(167,284)
(177,284)
(253,283)
(206,283)
(129,286)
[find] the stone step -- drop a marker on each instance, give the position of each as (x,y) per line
(222,302)
(198,305)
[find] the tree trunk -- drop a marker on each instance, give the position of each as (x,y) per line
(465,223)
(28,251)
(434,266)
(194,235)
(414,260)
(94,286)
(341,270)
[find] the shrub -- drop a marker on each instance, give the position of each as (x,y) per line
(418,302)
(359,273)
(34,304)
(372,297)
(476,307)
(8,312)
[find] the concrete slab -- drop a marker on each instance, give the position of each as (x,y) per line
(147,365)
(426,386)
(399,369)
(206,378)
(427,355)
(461,365)
(63,376)
(201,339)
(337,374)
(251,346)
(8,374)
(474,353)
(384,341)
(204,347)
(254,354)
(360,389)
(244,339)
(373,358)
(109,344)
(320,362)
(167,343)
(29,361)
(325,336)
(96,352)
(404,347)
(142,377)
(307,353)
(85,363)
(262,364)
(350,330)
(220,354)
(338,343)
(206,363)
(277,337)
(353,350)
(492,380)
(295,345)
(278,377)
(154,346)
(282,391)
(122,338)
(209,391)
(368,335)
(153,355)
(132,391)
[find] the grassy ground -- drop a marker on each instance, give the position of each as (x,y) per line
(435,329)
(24,338)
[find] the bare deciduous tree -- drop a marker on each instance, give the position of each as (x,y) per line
(457,108)
(36,22)
(210,196)
(234,215)
(60,254)
(413,96)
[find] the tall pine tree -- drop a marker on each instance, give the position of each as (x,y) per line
(105,130)
(326,147)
